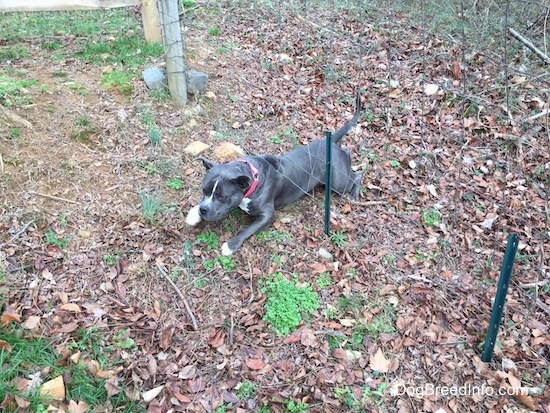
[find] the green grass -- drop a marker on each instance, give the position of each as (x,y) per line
(247,390)
(339,238)
(12,90)
(431,217)
(287,303)
(274,235)
(174,183)
(210,239)
(52,238)
(33,357)
(150,205)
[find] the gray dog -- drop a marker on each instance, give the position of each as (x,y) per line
(259,185)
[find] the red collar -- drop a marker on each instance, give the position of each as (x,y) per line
(255,174)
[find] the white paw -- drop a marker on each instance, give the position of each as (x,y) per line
(193,217)
(226,250)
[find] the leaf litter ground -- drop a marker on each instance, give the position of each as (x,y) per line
(407,304)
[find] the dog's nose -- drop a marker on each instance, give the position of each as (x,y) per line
(202,211)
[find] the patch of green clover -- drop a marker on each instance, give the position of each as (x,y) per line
(287,303)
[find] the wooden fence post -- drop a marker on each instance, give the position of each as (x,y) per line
(173,47)
(151,22)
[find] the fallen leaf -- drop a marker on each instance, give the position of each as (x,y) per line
(431,89)
(9,315)
(254,364)
(216,338)
(379,362)
(188,372)
(79,407)
(165,339)
(68,328)
(457,70)
(21,402)
(31,322)
(150,395)
(53,389)
(5,346)
(181,398)
(308,338)
(112,386)
(197,385)
(75,308)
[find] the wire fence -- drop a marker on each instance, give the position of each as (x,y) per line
(456,97)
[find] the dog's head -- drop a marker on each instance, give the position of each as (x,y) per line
(223,188)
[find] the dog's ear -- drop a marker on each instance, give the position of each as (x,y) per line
(242,181)
(207,163)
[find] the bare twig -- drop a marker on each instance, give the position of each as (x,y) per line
(54,198)
(539,115)
(22,230)
(530,45)
(181,296)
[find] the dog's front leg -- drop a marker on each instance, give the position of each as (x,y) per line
(260,222)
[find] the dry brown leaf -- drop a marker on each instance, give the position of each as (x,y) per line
(188,372)
(197,385)
(53,389)
(21,402)
(217,338)
(379,362)
(149,395)
(308,338)
(68,328)
(112,386)
(165,339)
(5,346)
(181,397)
(31,322)
(254,364)
(79,407)
(9,315)
(75,308)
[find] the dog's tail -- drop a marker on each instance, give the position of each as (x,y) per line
(336,136)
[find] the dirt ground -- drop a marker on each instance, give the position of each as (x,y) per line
(293,79)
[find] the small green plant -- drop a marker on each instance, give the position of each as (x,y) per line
(150,205)
(389,260)
(431,217)
(376,396)
(82,121)
(14,133)
(118,80)
(274,235)
(338,238)
(12,90)
(276,139)
(214,31)
(247,390)
(324,280)
(394,163)
(296,407)
(110,259)
(226,263)
(53,239)
(210,239)
(287,303)
(154,136)
(174,183)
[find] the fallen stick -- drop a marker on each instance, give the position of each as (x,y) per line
(54,198)
(22,230)
(175,287)
(530,45)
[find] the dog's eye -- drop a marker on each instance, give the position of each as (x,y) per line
(221,197)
